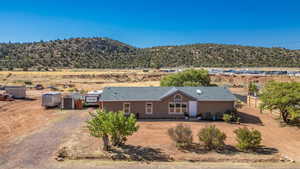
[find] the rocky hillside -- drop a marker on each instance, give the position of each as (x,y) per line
(107,53)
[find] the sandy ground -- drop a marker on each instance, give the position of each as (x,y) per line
(96,164)
(152,139)
(36,149)
(23,116)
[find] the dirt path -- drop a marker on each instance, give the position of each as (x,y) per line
(35,150)
(285,139)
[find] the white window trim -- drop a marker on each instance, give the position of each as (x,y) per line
(176,96)
(129,109)
(146,112)
(186,106)
(181,112)
(170,108)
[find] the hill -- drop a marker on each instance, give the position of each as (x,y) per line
(108,53)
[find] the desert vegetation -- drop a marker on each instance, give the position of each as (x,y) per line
(114,126)
(108,53)
(182,135)
(212,138)
(247,139)
(190,77)
(282,96)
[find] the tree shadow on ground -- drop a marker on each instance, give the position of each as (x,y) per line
(194,148)
(227,150)
(200,149)
(249,118)
(293,123)
(266,150)
(139,153)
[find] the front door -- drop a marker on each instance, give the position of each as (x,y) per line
(193,108)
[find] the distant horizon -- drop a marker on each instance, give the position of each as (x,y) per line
(145,24)
(183,44)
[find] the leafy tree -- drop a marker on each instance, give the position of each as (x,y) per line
(100,126)
(182,135)
(282,96)
(212,137)
(247,139)
(113,125)
(191,77)
(122,127)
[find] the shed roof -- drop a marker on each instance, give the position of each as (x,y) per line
(158,93)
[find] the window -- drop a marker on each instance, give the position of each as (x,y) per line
(177,108)
(183,108)
(177,98)
(149,108)
(126,108)
(171,107)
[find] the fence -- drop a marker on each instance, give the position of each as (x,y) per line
(254,102)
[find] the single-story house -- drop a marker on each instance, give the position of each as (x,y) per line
(169,102)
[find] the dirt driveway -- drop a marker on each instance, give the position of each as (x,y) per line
(35,150)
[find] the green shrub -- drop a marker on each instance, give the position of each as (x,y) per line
(231,116)
(212,137)
(73,89)
(28,82)
(182,135)
(227,118)
(82,91)
(247,139)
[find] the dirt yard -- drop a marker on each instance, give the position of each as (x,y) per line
(20,117)
(152,142)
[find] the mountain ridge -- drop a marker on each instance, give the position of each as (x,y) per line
(109,53)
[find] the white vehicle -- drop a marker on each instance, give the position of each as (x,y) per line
(92,98)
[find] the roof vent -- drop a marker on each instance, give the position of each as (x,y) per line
(199,91)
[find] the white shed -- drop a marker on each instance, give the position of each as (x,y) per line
(18,92)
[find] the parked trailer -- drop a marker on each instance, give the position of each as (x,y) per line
(92,98)
(51,99)
(17,92)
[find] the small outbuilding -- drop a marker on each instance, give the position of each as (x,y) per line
(72,101)
(17,92)
(51,99)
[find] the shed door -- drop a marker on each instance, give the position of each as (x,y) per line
(193,108)
(68,103)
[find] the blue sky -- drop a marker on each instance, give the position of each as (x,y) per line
(149,23)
